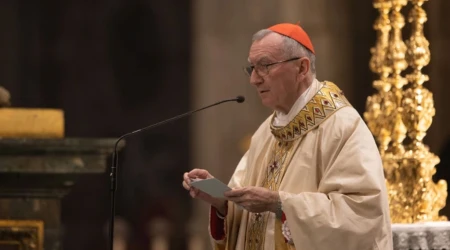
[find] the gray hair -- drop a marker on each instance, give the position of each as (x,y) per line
(291,48)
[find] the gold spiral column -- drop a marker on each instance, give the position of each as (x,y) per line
(404,108)
(418,106)
(378,105)
(396,53)
(398,193)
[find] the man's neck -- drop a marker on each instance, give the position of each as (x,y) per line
(302,92)
(283,118)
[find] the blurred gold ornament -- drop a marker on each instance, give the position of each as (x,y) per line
(401,110)
(4,97)
(378,105)
(29,122)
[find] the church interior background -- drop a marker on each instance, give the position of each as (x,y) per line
(113,66)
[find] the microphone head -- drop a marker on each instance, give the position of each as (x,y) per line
(240,99)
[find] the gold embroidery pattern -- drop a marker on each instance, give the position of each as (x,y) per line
(276,169)
(327,100)
(272,181)
(258,222)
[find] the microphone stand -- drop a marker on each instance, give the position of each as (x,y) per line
(115,159)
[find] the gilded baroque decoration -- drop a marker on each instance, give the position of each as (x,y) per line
(379,105)
(403,108)
(22,234)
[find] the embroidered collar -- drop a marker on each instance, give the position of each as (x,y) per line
(325,102)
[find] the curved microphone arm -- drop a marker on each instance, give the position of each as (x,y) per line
(238,99)
(115,158)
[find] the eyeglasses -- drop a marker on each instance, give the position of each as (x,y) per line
(263,70)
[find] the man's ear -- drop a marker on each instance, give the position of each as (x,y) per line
(304,66)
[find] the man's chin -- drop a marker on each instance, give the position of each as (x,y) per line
(267,103)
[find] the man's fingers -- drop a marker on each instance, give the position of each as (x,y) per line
(237,199)
(187,179)
(198,173)
(186,186)
(194,192)
(235,193)
(241,205)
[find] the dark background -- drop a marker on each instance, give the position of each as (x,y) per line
(112,66)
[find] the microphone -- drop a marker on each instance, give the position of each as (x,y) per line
(113,174)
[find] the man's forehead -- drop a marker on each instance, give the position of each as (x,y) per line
(266,48)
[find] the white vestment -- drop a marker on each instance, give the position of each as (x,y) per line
(327,168)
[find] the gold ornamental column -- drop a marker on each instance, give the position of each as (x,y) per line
(379,105)
(403,108)
(418,113)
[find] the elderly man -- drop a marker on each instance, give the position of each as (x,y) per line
(312,177)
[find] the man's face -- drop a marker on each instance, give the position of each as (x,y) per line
(278,89)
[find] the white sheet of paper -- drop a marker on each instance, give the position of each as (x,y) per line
(212,186)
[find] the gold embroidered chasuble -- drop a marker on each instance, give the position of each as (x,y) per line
(298,161)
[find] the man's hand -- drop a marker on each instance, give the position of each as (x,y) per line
(219,204)
(254,199)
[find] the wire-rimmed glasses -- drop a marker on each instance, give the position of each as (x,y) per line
(263,69)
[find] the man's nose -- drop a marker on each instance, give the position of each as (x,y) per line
(255,79)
